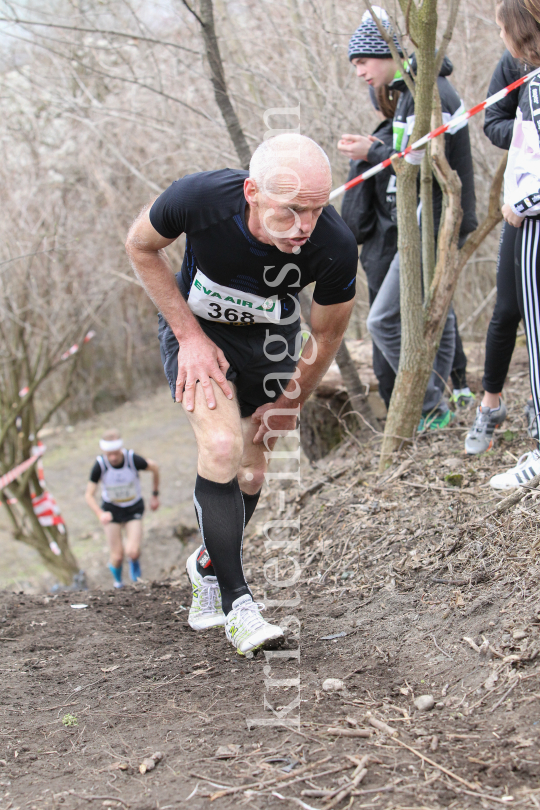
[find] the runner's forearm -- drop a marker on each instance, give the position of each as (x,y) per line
(93,504)
(155,273)
(328,325)
(308,376)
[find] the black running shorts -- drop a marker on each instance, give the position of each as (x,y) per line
(123,514)
(249,364)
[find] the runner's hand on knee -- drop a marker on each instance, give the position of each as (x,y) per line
(201,362)
(283,423)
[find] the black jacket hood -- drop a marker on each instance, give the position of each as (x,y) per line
(457,144)
(447,68)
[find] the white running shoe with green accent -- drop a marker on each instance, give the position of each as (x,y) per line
(246,628)
(205,610)
(525,470)
(462,398)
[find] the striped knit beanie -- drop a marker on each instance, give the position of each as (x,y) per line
(366,42)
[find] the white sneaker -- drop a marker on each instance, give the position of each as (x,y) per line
(205,610)
(246,628)
(527,467)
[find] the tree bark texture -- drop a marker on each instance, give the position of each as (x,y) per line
(416,356)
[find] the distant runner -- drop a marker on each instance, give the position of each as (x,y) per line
(230,339)
(122,506)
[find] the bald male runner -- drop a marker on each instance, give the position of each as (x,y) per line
(230,339)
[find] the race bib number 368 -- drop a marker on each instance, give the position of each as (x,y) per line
(214,302)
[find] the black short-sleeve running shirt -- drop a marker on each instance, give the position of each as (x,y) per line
(139,462)
(209,207)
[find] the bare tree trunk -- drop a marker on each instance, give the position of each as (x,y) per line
(205,19)
(414,367)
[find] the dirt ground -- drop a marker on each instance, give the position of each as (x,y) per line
(400,585)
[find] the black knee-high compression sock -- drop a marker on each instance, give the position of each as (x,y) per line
(250,502)
(220,512)
(204,563)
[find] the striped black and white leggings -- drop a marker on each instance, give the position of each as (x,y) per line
(527,254)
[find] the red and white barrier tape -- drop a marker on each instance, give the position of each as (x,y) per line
(44,505)
(75,348)
(435,133)
(10,476)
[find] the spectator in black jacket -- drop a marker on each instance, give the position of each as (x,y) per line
(367,209)
(372,58)
(508,311)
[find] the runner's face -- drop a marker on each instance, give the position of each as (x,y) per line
(287,218)
(376,72)
(115,458)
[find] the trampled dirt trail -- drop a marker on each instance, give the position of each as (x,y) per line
(397,570)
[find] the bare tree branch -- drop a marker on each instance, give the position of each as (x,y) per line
(447,36)
(103,31)
(116,152)
(192,11)
(72,57)
(493,216)
(213,55)
(27,255)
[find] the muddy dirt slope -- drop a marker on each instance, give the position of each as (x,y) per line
(409,590)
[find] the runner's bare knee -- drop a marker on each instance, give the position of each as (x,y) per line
(251,478)
(117,558)
(221,451)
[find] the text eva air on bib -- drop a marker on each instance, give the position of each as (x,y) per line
(214,302)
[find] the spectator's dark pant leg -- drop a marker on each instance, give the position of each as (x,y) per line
(502,330)
(384,372)
(459,367)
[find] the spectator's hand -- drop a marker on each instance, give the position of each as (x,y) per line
(282,423)
(105,517)
(509,216)
(154,503)
(200,360)
(356,147)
